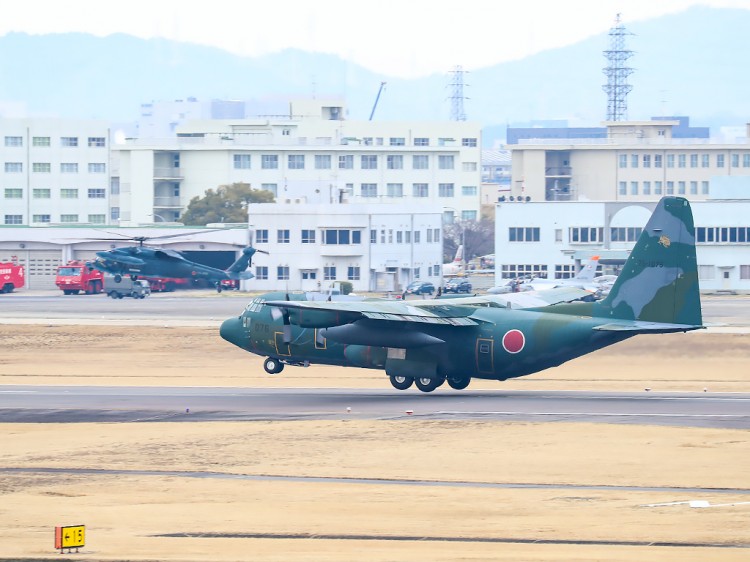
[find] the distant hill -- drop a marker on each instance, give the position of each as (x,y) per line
(691,63)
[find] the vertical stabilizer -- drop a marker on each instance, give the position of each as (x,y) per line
(659,282)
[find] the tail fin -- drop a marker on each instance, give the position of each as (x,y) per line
(588,271)
(659,282)
(458,258)
(242,263)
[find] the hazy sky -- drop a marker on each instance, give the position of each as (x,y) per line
(406,38)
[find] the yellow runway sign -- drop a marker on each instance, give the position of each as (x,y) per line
(73,536)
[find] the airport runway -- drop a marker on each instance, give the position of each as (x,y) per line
(75,404)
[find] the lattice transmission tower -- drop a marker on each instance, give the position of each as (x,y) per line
(617,87)
(457,94)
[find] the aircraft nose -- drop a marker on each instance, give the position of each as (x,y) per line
(231,331)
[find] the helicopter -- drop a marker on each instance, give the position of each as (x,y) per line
(144,261)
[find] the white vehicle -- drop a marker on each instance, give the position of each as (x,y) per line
(126,287)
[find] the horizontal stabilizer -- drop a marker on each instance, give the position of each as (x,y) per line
(645,327)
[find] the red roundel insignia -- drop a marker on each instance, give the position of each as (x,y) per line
(513,341)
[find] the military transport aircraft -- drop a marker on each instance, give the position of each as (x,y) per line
(489,337)
(143,261)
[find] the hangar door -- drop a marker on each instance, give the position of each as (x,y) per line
(40,266)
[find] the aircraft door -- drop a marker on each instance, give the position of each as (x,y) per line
(485,349)
(282,348)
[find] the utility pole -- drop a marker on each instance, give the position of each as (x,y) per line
(617,87)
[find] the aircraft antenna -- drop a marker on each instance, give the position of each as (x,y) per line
(617,87)
(377,98)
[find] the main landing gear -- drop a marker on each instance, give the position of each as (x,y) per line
(273,366)
(426,384)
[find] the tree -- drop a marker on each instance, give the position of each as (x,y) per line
(478,238)
(227,204)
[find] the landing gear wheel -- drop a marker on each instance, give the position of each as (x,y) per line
(273,366)
(427,385)
(459,383)
(401,383)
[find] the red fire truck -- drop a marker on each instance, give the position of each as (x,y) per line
(74,277)
(11,276)
(166,285)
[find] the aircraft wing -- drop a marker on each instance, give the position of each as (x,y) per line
(641,327)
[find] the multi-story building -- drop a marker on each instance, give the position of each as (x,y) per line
(54,171)
(635,161)
(374,247)
(314,155)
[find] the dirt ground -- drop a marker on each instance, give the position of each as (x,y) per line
(424,515)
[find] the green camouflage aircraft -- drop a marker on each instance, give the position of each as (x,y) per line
(493,337)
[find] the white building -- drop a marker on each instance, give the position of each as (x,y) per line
(374,247)
(312,156)
(637,161)
(553,239)
(54,171)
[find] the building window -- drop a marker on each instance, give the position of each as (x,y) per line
(13,219)
(670,188)
(352,273)
(693,160)
(241,161)
(13,141)
(329,273)
(421,141)
(417,235)
(282,272)
(445,190)
(420,190)
(469,167)
(40,141)
(585,234)
(322,161)
(13,193)
(296,162)
(341,236)
(633,160)
(97,168)
(269,161)
(693,188)
(397,141)
(261,272)
(308,236)
(445,162)
(395,190)
(97,219)
(373,236)
(746,160)
(97,142)
(97,193)
(670,160)
(647,188)
(346,162)
(420,162)
(399,237)
(308,274)
(41,193)
(682,161)
(706,272)
(68,141)
(369,162)
(272,187)
(42,219)
(704,188)
(41,167)
(68,218)
(705,160)
(429,236)
(646,160)
(261,236)
(735,160)
(657,187)
(523,234)
(469,190)
(13,167)
(657,160)
(719,160)
(622,188)
(395,162)
(633,188)
(469,141)
(114,186)
(681,188)
(468,215)
(114,214)
(512,271)
(625,234)
(69,168)
(369,189)
(282,236)
(623,161)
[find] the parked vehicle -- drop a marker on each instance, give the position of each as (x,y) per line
(166,285)
(11,277)
(126,287)
(420,288)
(457,285)
(74,277)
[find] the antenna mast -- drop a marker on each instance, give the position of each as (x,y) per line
(457,94)
(617,87)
